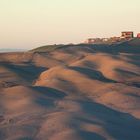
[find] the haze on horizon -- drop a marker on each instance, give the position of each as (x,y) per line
(28,24)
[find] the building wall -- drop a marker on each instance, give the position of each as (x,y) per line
(127,35)
(138,35)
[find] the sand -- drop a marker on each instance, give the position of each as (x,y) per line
(73,93)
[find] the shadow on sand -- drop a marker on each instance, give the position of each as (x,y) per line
(27,71)
(49,92)
(93,74)
(46,96)
(121,126)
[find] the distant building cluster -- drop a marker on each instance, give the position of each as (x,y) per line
(124,36)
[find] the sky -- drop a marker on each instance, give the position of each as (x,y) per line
(28,24)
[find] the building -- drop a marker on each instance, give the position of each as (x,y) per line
(114,39)
(138,35)
(93,40)
(90,41)
(105,39)
(124,37)
(127,35)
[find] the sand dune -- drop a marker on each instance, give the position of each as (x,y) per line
(82,92)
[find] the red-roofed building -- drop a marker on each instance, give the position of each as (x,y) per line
(127,35)
(138,35)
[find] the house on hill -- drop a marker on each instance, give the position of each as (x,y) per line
(93,40)
(127,35)
(138,35)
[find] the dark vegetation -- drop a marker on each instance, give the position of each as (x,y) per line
(132,46)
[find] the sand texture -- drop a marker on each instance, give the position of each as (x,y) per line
(78,92)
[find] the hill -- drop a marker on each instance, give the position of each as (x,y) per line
(47,48)
(132,46)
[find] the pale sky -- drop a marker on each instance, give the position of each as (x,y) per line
(33,23)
